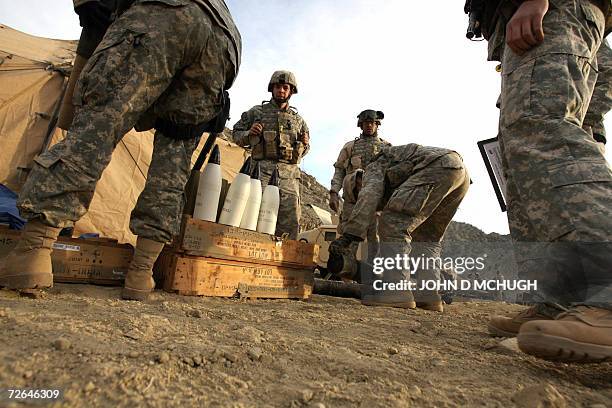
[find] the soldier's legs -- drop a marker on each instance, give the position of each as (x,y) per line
(289,213)
(531,260)
(347,209)
(435,191)
(289,210)
(529,253)
(565,186)
(372,238)
(158,209)
(427,237)
(563,183)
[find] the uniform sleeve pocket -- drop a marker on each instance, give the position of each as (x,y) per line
(47,159)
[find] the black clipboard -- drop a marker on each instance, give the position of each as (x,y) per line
(491,155)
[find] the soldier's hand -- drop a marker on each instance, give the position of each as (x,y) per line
(256,129)
(334,201)
(524,30)
(304,138)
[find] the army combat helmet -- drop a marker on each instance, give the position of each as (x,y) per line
(283,77)
(370,114)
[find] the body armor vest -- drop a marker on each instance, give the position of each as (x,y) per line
(363,151)
(279,139)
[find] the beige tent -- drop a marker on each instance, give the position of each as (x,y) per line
(33,74)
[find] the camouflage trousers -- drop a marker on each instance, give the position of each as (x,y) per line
(414,219)
(290,210)
(172,60)
(559,185)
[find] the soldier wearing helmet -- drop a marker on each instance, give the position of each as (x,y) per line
(278,136)
(356,155)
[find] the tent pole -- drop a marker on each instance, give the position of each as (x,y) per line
(53,122)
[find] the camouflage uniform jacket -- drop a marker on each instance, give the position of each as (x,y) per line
(279,140)
(356,154)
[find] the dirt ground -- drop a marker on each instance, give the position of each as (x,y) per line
(325,352)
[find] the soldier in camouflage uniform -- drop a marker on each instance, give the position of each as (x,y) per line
(355,155)
(278,137)
(559,185)
(419,189)
(174,58)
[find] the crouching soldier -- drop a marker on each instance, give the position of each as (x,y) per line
(418,189)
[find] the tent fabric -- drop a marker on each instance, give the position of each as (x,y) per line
(28,97)
(31,86)
(36,50)
(32,75)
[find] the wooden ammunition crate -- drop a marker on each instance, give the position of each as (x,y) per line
(210,259)
(96,260)
(202,276)
(209,239)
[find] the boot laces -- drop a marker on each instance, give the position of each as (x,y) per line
(587,315)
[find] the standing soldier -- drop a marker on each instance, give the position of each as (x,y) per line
(419,189)
(278,137)
(173,58)
(356,155)
(559,185)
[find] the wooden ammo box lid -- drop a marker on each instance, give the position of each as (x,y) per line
(209,239)
(96,260)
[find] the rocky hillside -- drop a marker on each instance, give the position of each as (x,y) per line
(312,193)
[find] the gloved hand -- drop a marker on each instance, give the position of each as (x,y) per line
(334,201)
(93,14)
(341,245)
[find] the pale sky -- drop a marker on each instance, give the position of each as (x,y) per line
(409,59)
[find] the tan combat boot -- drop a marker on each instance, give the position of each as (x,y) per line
(503,326)
(28,266)
(139,280)
(581,335)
